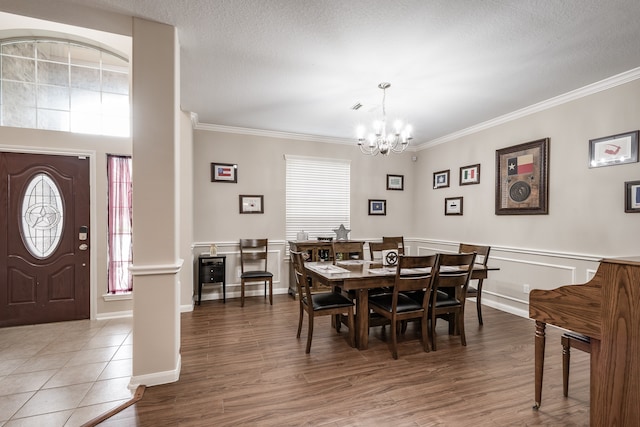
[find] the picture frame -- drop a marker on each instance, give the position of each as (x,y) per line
(377,207)
(224,172)
(614,150)
(453,206)
(632,196)
(395,182)
(522,179)
(441,179)
(251,204)
(470,175)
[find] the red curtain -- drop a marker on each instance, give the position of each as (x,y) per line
(120,224)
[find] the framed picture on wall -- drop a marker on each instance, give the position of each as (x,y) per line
(614,150)
(395,182)
(224,172)
(441,179)
(377,207)
(470,175)
(632,196)
(251,204)
(522,186)
(453,206)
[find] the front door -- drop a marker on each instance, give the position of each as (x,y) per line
(44,254)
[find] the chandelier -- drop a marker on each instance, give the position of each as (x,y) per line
(381,141)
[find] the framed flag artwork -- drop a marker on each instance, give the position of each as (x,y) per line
(441,179)
(224,172)
(470,175)
(377,207)
(632,196)
(522,179)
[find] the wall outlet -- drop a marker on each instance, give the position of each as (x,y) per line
(525,289)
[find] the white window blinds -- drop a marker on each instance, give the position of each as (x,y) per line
(318,196)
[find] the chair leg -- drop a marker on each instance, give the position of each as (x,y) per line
(241,293)
(566,355)
(432,332)
(270,292)
(394,339)
(300,318)
(425,339)
(310,334)
(479,301)
(459,319)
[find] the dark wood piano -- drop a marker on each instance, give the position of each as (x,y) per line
(607,309)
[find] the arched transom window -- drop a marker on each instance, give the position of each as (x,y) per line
(61,85)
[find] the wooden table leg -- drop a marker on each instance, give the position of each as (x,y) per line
(362,318)
(539,363)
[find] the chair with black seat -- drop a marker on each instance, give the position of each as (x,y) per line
(398,240)
(253,266)
(449,293)
(482,255)
(344,251)
(571,340)
(413,273)
(319,304)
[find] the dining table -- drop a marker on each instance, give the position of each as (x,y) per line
(360,276)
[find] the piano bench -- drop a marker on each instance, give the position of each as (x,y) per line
(569,340)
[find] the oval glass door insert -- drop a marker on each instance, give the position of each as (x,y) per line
(42,216)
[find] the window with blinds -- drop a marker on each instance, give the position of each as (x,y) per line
(318,196)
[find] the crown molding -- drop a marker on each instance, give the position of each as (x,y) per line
(611,82)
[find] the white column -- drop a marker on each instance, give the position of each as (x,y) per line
(156,263)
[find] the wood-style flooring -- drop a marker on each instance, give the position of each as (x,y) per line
(245,367)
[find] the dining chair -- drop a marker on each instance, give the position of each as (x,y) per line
(343,251)
(449,293)
(319,304)
(571,340)
(253,266)
(413,273)
(398,240)
(377,255)
(482,255)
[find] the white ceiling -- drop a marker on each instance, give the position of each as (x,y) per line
(297,66)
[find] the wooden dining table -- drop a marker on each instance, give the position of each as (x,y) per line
(361,276)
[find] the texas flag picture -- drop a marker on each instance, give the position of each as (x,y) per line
(520,165)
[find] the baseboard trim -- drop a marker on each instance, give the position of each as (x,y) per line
(157,378)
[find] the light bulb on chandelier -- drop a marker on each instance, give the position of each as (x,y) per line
(379,141)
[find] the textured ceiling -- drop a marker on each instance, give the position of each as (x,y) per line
(299,65)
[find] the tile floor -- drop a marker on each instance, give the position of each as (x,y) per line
(63,374)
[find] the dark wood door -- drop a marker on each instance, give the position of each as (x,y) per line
(44,257)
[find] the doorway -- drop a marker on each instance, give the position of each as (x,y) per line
(45,257)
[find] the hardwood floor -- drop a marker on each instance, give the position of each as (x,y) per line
(244,366)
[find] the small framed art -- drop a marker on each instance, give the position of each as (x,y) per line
(251,204)
(632,196)
(395,182)
(470,175)
(377,207)
(441,179)
(224,172)
(614,150)
(453,206)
